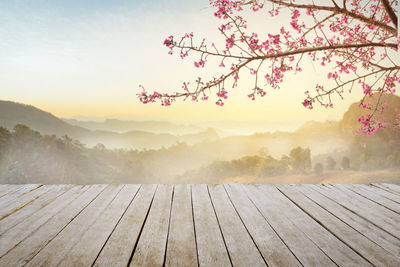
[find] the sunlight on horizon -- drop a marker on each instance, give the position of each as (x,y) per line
(88,60)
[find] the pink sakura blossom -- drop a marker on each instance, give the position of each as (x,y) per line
(189,35)
(166,102)
(307,103)
(222,94)
(295,14)
(169,41)
(230,42)
(357,43)
(310,11)
(261,92)
(199,64)
(370,124)
(333,75)
(274,12)
(219,103)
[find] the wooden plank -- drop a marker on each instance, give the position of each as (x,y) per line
(118,249)
(393,187)
(376,214)
(372,232)
(4,187)
(211,248)
(181,246)
(22,214)
(242,250)
(385,188)
(368,211)
(57,248)
(334,248)
(84,253)
(10,238)
(8,188)
(17,193)
(32,244)
(367,202)
(14,205)
(369,250)
(305,250)
(150,250)
(273,249)
(382,192)
(377,198)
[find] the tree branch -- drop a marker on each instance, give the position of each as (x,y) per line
(339,10)
(323,48)
(390,12)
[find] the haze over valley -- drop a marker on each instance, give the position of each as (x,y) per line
(38,147)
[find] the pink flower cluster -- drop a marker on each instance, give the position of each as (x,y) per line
(355,41)
(370,124)
(199,64)
(222,94)
(168,42)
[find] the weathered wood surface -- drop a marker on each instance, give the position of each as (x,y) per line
(200,225)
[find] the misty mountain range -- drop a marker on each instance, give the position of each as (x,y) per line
(36,155)
(123,126)
(141,134)
(321,137)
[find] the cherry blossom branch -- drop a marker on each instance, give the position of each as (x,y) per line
(355,39)
(338,10)
(390,11)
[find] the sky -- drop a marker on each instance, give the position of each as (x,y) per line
(87,58)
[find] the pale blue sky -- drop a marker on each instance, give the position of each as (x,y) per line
(88,57)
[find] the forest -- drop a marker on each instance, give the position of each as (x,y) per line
(27,156)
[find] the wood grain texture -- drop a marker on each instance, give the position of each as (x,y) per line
(151,247)
(372,252)
(181,247)
(375,197)
(393,187)
(32,242)
(369,210)
(13,205)
(372,232)
(240,245)
(118,249)
(6,189)
(23,214)
(211,247)
(13,236)
(381,192)
(58,247)
(21,190)
(273,249)
(306,251)
(200,225)
(307,213)
(85,252)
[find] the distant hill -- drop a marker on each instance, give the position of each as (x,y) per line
(121,126)
(320,137)
(12,113)
(312,127)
